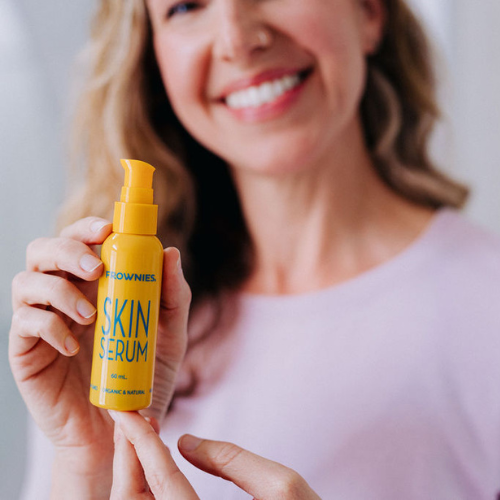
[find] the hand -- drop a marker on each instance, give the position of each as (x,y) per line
(51,340)
(143,467)
(54,312)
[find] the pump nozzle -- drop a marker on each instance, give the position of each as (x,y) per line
(135,212)
(138,186)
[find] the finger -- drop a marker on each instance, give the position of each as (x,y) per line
(128,476)
(175,303)
(162,474)
(42,289)
(63,254)
(90,230)
(70,252)
(30,324)
(172,336)
(261,478)
(176,294)
(154,423)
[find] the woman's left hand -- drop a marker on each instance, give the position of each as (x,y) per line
(144,469)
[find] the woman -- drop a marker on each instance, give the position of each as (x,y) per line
(342,320)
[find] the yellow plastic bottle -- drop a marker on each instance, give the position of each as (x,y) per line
(128,298)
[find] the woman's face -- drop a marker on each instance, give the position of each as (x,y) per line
(268,85)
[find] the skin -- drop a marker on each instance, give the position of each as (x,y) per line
(306,182)
(316,210)
(53,381)
(143,467)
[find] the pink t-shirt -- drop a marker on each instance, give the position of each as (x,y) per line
(385,387)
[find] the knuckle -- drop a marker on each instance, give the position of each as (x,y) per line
(173,477)
(50,323)
(149,434)
(19,287)
(25,325)
(69,229)
(157,484)
(18,282)
(64,247)
(33,248)
(141,437)
(58,288)
(59,292)
(18,319)
(225,456)
(289,486)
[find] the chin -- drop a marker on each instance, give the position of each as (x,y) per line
(279,160)
(271,169)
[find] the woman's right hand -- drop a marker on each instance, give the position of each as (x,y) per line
(51,341)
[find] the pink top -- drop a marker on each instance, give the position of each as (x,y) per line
(384,387)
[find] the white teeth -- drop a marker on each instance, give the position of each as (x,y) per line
(266,92)
(279,87)
(256,96)
(290,81)
(253,96)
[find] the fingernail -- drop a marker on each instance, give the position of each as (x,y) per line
(71,344)
(85,309)
(189,443)
(115,415)
(97,225)
(89,263)
(153,423)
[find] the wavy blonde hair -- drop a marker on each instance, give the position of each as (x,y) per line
(123,111)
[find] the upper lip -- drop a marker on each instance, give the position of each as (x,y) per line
(264,76)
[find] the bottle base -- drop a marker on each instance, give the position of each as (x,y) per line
(111,405)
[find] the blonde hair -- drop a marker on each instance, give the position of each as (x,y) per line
(124,112)
(113,120)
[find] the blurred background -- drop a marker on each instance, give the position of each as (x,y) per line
(38,44)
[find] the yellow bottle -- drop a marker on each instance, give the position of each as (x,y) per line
(128,298)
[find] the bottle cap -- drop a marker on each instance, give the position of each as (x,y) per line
(135,212)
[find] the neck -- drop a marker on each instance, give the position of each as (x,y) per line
(324,223)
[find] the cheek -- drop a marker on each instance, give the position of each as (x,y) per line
(322,24)
(182,72)
(338,53)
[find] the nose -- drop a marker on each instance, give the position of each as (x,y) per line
(240,31)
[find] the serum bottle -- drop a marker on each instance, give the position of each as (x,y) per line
(128,298)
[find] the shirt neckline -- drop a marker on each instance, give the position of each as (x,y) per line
(368,281)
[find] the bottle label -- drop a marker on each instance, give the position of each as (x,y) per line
(125,334)
(130,276)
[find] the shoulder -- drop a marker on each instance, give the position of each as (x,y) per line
(466,248)
(457,279)
(462,278)
(463,295)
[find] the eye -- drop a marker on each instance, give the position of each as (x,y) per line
(181,8)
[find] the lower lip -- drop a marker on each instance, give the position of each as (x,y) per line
(270,110)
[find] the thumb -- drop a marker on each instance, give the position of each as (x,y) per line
(260,477)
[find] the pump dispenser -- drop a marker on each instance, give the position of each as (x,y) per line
(135,212)
(128,298)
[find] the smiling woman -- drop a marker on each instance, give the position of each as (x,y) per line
(336,294)
(399,78)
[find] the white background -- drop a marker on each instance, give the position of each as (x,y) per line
(39,40)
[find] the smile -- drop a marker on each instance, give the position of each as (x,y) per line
(265,93)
